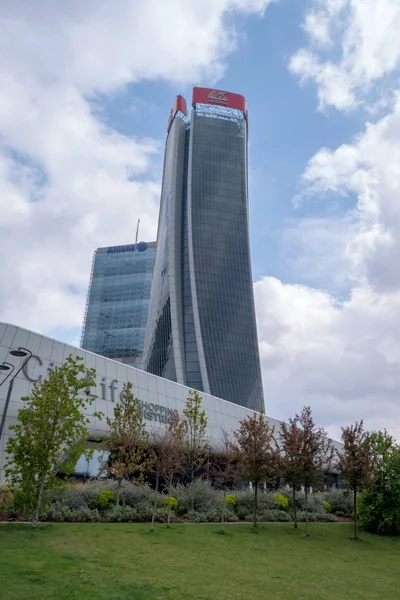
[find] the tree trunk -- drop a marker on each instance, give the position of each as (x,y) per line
(153,517)
(294,506)
(306,498)
(38,506)
(355,513)
(255,503)
(223,512)
(169,501)
(118,490)
(191,481)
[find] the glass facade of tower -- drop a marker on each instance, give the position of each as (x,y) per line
(202,329)
(118,302)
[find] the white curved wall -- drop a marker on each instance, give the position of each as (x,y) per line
(160,394)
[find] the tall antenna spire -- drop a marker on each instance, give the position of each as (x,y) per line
(137,231)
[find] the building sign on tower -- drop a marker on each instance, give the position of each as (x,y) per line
(219,98)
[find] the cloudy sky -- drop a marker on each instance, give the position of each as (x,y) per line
(86,89)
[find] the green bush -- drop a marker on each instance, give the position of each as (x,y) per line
(56,512)
(172,502)
(83,515)
(245,500)
(200,495)
(210,516)
(282,502)
(317,517)
(121,514)
(242,512)
(327,507)
(105,499)
(341,501)
(162,515)
(6,500)
(194,516)
(271,516)
(378,513)
(315,502)
(231,500)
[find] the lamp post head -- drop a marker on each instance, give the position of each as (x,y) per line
(4,368)
(20,353)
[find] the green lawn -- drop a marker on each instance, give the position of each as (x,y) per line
(125,561)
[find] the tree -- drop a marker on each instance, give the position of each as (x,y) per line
(127,440)
(168,459)
(51,434)
(356,461)
(379,510)
(194,427)
(225,467)
(291,444)
(258,454)
(315,456)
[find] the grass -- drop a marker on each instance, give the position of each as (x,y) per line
(125,561)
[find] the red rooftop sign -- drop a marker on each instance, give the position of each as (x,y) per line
(219,98)
(179,106)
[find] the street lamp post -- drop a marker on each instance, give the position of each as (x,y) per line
(6,367)
(21,352)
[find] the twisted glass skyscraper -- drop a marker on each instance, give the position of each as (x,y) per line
(201,328)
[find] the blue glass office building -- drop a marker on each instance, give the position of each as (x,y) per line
(201,327)
(118,302)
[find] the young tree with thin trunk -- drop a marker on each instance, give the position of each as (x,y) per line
(290,445)
(257,453)
(225,468)
(173,456)
(356,461)
(316,454)
(168,452)
(50,435)
(194,426)
(127,440)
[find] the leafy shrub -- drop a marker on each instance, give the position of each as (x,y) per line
(315,502)
(162,515)
(144,511)
(56,512)
(84,515)
(5,498)
(378,513)
(105,499)
(242,512)
(132,494)
(341,501)
(317,517)
(75,496)
(327,507)
(172,502)
(271,516)
(195,516)
(282,502)
(231,500)
(245,500)
(200,494)
(121,514)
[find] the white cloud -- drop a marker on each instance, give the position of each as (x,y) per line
(369,169)
(342,356)
(352,45)
(343,359)
(69,183)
